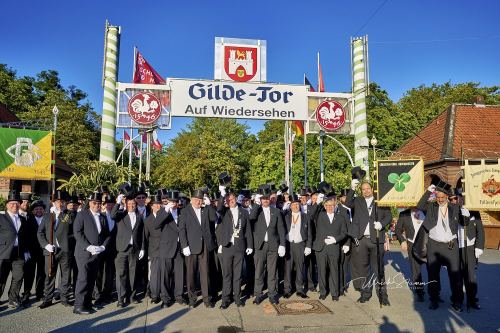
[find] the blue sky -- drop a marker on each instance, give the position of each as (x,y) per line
(410,42)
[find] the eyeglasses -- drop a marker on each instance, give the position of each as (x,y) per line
(141,198)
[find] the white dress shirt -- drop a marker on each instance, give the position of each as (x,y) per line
(369,206)
(234,213)
(97,221)
(441,232)
(267,217)
(294,235)
(197,211)
(132,217)
(17,224)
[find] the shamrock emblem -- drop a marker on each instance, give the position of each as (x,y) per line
(399,180)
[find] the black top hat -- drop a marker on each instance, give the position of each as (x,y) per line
(173,195)
(95,196)
(60,195)
(283,187)
(358,173)
(294,197)
(126,189)
(246,193)
(38,203)
(443,187)
(25,196)
(109,199)
(324,187)
(264,190)
(102,189)
(343,192)
(81,196)
(303,192)
(272,187)
(143,189)
(214,196)
(312,190)
(224,179)
(73,199)
(156,198)
(198,193)
(330,195)
(456,192)
(14,196)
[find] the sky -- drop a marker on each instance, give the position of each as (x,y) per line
(411,42)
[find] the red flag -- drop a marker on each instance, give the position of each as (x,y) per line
(145,138)
(144,72)
(156,143)
(321,84)
(136,151)
(126,137)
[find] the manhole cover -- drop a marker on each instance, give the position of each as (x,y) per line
(300,307)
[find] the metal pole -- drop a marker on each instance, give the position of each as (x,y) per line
(130,147)
(321,167)
(140,160)
(55,111)
(148,156)
(305,158)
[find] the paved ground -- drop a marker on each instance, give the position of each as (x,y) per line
(348,316)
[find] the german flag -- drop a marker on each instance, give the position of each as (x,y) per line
(298,127)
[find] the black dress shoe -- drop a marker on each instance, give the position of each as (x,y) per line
(335,298)
(224,305)
(66,303)
(181,301)
(155,300)
(385,301)
(456,307)
(239,304)
(474,305)
(273,300)
(362,300)
(166,304)
(135,300)
(209,305)
(120,304)
(81,311)
(313,289)
(287,295)
(258,299)
(322,297)
(14,304)
(45,304)
(301,294)
(440,300)
(434,305)
(420,298)
(192,303)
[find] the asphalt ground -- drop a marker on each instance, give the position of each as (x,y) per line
(404,314)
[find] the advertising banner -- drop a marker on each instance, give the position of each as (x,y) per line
(482,185)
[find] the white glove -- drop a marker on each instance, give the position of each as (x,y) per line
(330,240)
(50,248)
(257,199)
(168,207)
(354,183)
(101,248)
(281,251)
(249,251)
(119,199)
(186,251)
(286,205)
(279,192)
(206,201)
(222,190)
(220,249)
(465,212)
(27,256)
(141,254)
(377,225)
(307,251)
(431,188)
(345,248)
(93,249)
(321,196)
(478,252)
(309,201)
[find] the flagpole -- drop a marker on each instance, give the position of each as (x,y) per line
(135,63)
(148,156)
(287,178)
(123,143)
(319,87)
(290,186)
(140,160)
(305,146)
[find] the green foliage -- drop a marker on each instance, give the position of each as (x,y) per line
(3,201)
(96,174)
(32,99)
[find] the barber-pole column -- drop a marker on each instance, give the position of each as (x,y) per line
(110,76)
(359,78)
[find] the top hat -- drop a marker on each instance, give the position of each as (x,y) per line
(126,189)
(173,195)
(198,193)
(81,196)
(343,192)
(358,173)
(264,190)
(246,193)
(283,187)
(456,192)
(73,199)
(324,187)
(443,187)
(25,196)
(156,198)
(102,189)
(38,203)
(143,189)
(109,199)
(330,195)
(294,198)
(95,196)
(272,187)
(14,196)
(311,190)
(214,196)
(59,195)
(163,192)
(224,179)
(303,192)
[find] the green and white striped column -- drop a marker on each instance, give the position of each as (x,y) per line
(110,76)
(359,91)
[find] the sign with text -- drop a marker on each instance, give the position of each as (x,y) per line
(216,99)
(482,185)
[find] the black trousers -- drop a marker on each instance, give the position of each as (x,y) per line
(294,263)
(365,264)
(469,275)
(61,259)
(198,264)
(155,268)
(345,267)
(232,267)
(416,271)
(34,271)
(311,271)
(265,260)
(172,277)
(87,274)
(127,270)
(329,269)
(15,265)
(105,276)
(249,274)
(439,254)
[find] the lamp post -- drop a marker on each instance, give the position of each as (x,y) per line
(55,112)
(374,142)
(321,166)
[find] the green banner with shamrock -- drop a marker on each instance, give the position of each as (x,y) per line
(399,182)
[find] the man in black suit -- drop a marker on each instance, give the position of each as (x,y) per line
(331,230)
(234,236)
(475,247)
(36,265)
(269,243)
(54,235)
(309,204)
(368,222)
(130,247)
(152,237)
(14,247)
(298,247)
(92,238)
(197,236)
(441,224)
(246,204)
(409,222)
(345,254)
(106,274)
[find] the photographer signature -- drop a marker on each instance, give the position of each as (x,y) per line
(392,282)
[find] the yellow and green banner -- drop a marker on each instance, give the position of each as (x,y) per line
(25,154)
(400,182)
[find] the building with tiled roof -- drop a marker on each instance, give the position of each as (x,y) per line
(462,131)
